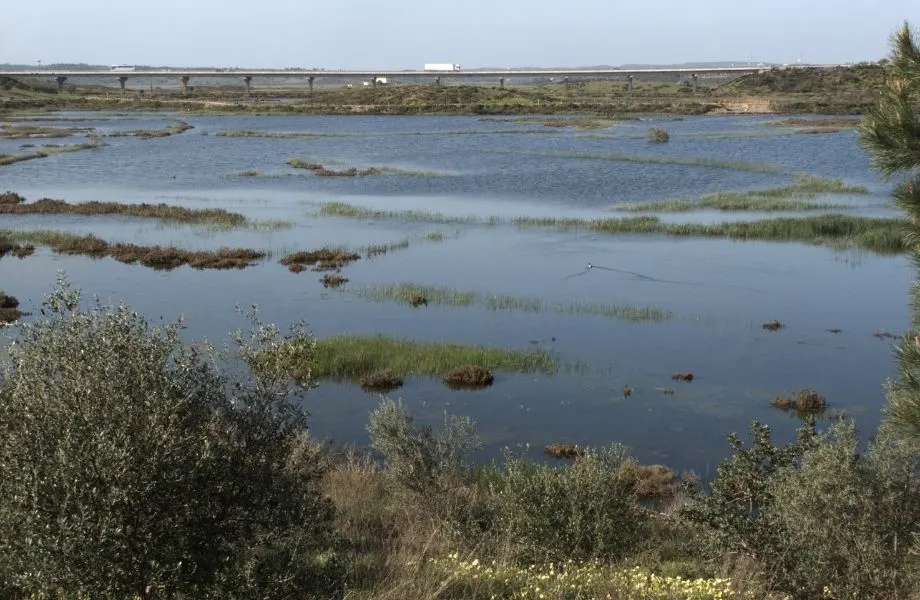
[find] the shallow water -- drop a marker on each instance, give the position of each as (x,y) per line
(718,292)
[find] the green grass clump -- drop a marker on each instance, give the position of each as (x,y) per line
(212,216)
(352,356)
(713,163)
(174,129)
(793,197)
(46,151)
(411,293)
(15,132)
(884,236)
(341,209)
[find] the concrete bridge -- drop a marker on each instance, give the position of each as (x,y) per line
(185,75)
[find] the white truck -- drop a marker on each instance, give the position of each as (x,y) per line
(441,67)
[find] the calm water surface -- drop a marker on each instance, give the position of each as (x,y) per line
(718,292)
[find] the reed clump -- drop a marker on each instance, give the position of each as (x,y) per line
(567,451)
(773,325)
(11,198)
(682,376)
(174,129)
(805,401)
(333,280)
(381,381)
(8,309)
(323,259)
(469,377)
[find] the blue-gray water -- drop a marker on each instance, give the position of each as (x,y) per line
(720,292)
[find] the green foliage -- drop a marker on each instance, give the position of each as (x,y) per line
(848,519)
(419,460)
(891,134)
(587,510)
(131,464)
(733,510)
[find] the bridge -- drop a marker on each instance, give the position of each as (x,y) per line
(185,75)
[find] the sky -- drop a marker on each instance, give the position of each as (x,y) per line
(405,34)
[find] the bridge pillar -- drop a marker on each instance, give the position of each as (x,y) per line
(694,76)
(184,80)
(629,84)
(61,81)
(248,81)
(310,80)
(501,83)
(374,80)
(123,80)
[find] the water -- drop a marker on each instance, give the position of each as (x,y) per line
(719,292)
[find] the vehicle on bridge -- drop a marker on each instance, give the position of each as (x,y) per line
(122,68)
(441,67)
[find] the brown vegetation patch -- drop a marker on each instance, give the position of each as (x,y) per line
(175,129)
(11,198)
(324,259)
(299,163)
(218,216)
(249,173)
(296,268)
(688,377)
(803,401)
(651,481)
(352,172)
(469,377)
(882,334)
(382,381)
(773,325)
(563,450)
(8,312)
(667,391)
(418,300)
(167,258)
(333,280)
(21,250)
(834,330)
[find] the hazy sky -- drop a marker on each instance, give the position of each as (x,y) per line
(405,34)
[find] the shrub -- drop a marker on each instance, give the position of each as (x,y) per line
(132,465)
(657,135)
(586,510)
(848,519)
(11,198)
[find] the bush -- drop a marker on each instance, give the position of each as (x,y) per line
(815,516)
(469,376)
(587,510)
(132,466)
(849,518)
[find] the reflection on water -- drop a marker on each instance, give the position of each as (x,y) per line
(719,292)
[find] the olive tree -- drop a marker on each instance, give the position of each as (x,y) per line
(136,466)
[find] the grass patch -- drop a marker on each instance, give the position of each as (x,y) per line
(773,325)
(349,211)
(174,129)
(155,257)
(15,132)
(166,212)
(792,197)
(324,259)
(884,236)
(278,134)
(713,163)
(837,124)
(416,295)
(350,357)
(46,151)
